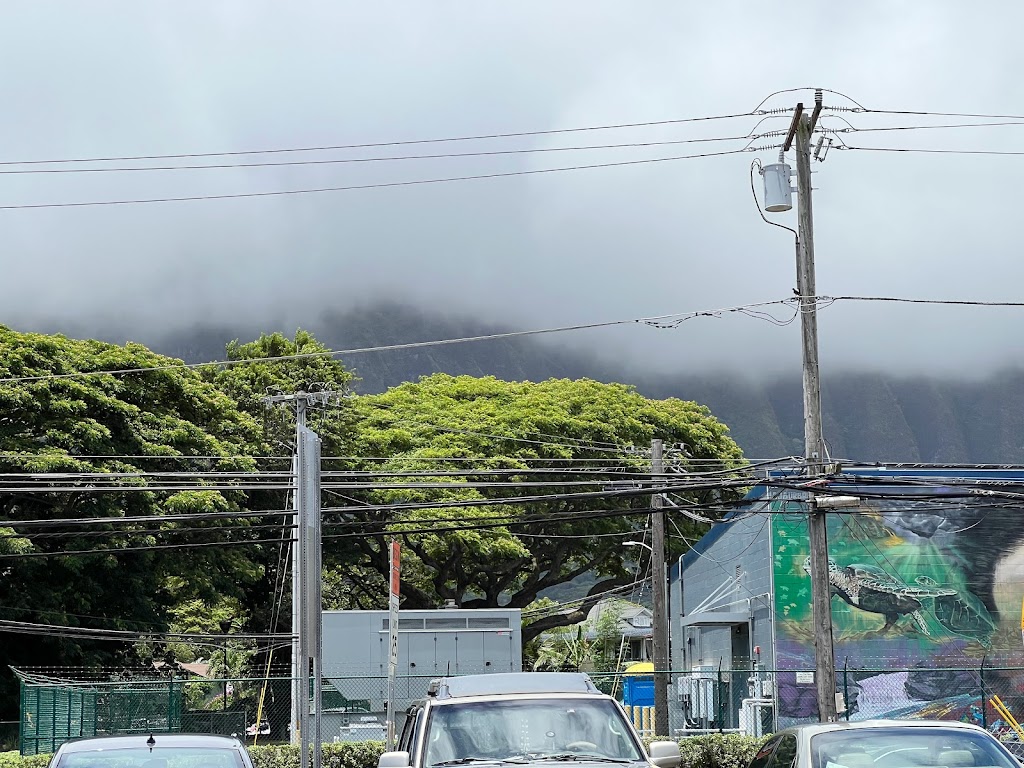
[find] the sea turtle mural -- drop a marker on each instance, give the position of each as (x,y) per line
(871,589)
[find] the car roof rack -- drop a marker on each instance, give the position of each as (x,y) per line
(511,682)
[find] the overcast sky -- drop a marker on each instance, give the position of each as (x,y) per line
(128,78)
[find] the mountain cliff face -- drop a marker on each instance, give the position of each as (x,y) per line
(868,416)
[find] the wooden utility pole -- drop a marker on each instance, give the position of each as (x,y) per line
(821,590)
(659,584)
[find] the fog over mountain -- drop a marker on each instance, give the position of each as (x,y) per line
(527,251)
(869,416)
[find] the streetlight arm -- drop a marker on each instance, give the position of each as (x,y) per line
(638,544)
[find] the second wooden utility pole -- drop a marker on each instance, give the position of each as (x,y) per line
(821,589)
(659,592)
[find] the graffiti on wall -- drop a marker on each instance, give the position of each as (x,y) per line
(919,588)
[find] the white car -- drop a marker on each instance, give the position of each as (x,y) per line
(884,744)
(521,718)
(160,750)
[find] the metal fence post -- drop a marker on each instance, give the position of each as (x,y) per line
(984,697)
(846,687)
(720,716)
(21,718)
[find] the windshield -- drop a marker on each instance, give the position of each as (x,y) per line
(528,729)
(161,757)
(907,748)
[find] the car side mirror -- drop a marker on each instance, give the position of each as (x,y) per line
(401,760)
(664,754)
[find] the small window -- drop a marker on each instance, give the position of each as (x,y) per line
(488,622)
(785,753)
(448,623)
(408,730)
(403,623)
(765,753)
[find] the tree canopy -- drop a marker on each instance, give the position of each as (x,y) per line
(152,420)
(508,435)
(499,491)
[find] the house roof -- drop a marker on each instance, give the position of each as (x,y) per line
(197,668)
(635,620)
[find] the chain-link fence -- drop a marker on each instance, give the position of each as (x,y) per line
(354,708)
(256,709)
(759,701)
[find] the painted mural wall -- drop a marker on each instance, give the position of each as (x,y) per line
(926,608)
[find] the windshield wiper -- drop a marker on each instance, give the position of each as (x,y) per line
(582,757)
(467,760)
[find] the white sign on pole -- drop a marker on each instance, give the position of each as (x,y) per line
(395,581)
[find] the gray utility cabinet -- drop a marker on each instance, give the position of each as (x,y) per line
(431,643)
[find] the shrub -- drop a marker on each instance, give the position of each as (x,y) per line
(359,754)
(15,760)
(719,750)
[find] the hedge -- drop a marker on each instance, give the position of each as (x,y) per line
(713,751)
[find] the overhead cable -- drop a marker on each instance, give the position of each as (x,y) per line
(376,185)
(386,347)
(408,142)
(918,150)
(379,159)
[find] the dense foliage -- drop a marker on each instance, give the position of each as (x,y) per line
(146,420)
(529,442)
(532,527)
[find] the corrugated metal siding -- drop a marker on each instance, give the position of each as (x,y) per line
(740,553)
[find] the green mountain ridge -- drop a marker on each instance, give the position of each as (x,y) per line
(868,416)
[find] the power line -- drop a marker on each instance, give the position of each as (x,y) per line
(347,160)
(608,462)
(408,142)
(915,150)
(364,526)
(184,516)
(25,627)
(402,527)
(859,129)
(928,114)
(379,185)
(383,348)
(146,548)
(904,300)
(50,523)
(35,536)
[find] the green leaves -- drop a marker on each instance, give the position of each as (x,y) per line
(444,423)
(141,421)
(504,460)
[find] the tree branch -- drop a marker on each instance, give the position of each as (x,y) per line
(575,616)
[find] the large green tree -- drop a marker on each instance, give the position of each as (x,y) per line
(271,365)
(144,421)
(444,423)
